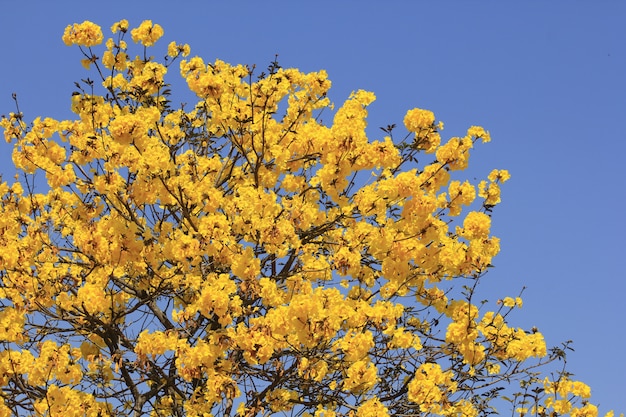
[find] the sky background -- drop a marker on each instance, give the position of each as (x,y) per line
(547,79)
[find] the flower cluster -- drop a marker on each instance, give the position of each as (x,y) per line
(83,34)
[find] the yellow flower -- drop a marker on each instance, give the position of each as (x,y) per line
(479,133)
(372,408)
(360,377)
(430,386)
(282,399)
(476,225)
(356,345)
(12,325)
(117,61)
(172,49)
(121,26)
(508,302)
(147,34)
(419,119)
(501,175)
(89,349)
(83,34)
(490,192)
(455,153)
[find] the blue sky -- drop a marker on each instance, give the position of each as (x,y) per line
(547,79)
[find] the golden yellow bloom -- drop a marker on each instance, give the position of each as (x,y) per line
(147,33)
(117,61)
(500,175)
(83,34)
(508,302)
(476,225)
(282,399)
(479,133)
(416,120)
(121,26)
(490,192)
(174,49)
(430,386)
(12,325)
(356,345)
(360,377)
(372,408)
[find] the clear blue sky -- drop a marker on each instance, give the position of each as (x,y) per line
(547,79)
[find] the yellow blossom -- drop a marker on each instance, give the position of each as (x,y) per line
(476,225)
(83,34)
(372,408)
(121,26)
(501,175)
(418,119)
(360,377)
(147,33)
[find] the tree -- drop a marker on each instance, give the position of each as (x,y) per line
(240,257)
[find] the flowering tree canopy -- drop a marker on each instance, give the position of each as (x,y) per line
(238,256)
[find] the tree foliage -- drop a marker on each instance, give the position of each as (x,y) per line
(238,256)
